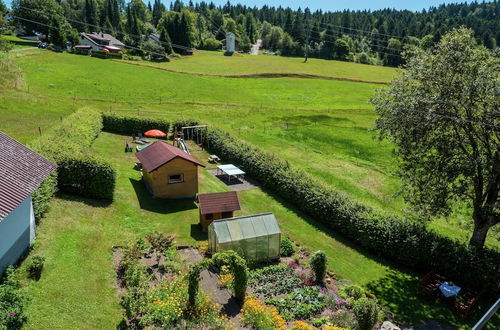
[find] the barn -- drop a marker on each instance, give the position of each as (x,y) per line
(169,172)
(22,171)
(215,206)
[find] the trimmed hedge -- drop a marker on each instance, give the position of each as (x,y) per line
(78,172)
(103,54)
(406,242)
(131,124)
(87,176)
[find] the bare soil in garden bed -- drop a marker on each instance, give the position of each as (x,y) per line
(209,283)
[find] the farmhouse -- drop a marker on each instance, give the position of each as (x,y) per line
(217,206)
(169,172)
(21,172)
(101,41)
(257,237)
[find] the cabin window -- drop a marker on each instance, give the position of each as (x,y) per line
(176,178)
(209,216)
(227,215)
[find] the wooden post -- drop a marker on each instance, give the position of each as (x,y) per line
(40,130)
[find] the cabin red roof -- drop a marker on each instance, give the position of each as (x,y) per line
(219,202)
(160,153)
(21,171)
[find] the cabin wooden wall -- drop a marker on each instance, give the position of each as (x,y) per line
(158,179)
(204,222)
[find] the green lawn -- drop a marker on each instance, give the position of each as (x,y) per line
(215,63)
(19,43)
(77,285)
(322,126)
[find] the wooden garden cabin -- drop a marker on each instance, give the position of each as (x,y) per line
(169,172)
(217,206)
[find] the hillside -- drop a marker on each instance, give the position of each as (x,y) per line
(322,126)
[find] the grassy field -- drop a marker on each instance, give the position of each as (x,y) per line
(323,126)
(77,285)
(215,63)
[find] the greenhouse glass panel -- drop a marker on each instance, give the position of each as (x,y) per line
(257,237)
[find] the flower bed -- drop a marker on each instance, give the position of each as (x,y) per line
(154,286)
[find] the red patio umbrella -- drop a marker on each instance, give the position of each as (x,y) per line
(155,133)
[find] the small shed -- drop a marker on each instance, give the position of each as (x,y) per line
(256,237)
(217,206)
(169,172)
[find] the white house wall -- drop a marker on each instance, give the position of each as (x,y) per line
(86,42)
(17,231)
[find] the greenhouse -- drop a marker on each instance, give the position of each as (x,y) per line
(256,237)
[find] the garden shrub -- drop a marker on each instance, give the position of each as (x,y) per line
(318,265)
(287,248)
(344,319)
(78,171)
(301,325)
(35,267)
(131,124)
(366,313)
(353,292)
(259,316)
(13,302)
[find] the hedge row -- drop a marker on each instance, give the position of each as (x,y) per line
(78,172)
(103,54)
(406,242)
(131,124)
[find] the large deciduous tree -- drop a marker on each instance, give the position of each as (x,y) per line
(443,114)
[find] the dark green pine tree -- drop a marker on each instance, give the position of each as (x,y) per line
(57,35)
(328,47)
(166,41)
(158,10)
(298,30)
(91,16)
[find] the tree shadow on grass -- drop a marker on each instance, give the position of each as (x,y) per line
(197,233)
(399,291)
(159,205)
(88,201)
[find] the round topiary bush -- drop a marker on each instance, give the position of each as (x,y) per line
(287,248)
(318,265)
(366,313)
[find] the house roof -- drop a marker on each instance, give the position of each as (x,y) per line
(160,153)
(102,39)
(219,202)
(21,172)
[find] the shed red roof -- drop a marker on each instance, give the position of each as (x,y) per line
(160,153)
(219,202)
(21,172)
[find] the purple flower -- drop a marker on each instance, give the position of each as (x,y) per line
(12,314)
(322,290)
